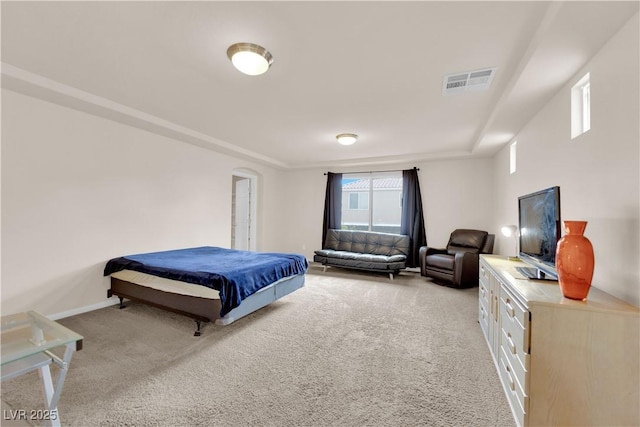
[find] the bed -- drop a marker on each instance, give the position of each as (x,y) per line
(208,284)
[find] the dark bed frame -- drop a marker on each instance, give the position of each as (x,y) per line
(200,309)
(203,309)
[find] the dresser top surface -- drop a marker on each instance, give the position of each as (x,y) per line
(531,291)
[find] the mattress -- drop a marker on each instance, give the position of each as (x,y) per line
(166,285)
(234,273)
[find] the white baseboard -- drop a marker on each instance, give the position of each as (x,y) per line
(85,309)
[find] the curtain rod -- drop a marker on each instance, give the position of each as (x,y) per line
(393,170)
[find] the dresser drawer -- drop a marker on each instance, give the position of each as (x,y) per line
(511,310)
(515,327)
(483,273)
(518,401)
(483,294)
(483,319)
(518,360)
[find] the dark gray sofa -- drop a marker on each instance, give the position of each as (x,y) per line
(364,250)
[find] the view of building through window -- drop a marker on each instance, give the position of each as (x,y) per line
(372,201)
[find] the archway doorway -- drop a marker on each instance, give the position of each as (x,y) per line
(244,210)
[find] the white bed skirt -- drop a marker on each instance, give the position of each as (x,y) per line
(263,297)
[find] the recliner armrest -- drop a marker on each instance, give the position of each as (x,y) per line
(466,269)
(432,251)
(422,257)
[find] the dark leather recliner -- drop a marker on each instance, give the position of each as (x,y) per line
(457,265)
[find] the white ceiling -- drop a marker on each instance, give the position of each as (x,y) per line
(371,68)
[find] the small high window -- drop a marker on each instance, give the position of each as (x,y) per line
(581,107)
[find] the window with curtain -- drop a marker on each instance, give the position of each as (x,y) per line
(370,201)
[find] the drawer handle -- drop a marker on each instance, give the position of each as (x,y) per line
(510,310)
(512,385)
(512,346)
(491,308)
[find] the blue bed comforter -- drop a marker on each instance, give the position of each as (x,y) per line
(235,274)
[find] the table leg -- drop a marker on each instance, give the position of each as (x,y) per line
(45,375)
(51,394)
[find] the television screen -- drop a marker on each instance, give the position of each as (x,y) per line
(539,217)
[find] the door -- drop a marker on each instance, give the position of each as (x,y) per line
(242,215)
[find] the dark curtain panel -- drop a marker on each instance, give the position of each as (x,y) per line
(412,223)
(332,204)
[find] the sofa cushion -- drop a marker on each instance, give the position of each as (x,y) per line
(367,242)
(366,250)
(361,263)
(323,252)
(360,256)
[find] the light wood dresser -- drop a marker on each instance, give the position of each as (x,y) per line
(561,362)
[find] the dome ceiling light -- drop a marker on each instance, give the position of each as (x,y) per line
(250,58)
(347,138)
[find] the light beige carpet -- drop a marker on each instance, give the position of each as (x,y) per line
(349,349)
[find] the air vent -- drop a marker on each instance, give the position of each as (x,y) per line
(469,81)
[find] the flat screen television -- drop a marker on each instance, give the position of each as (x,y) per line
(540,230)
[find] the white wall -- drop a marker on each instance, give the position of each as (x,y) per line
(303,195)
(597,172)
(455,194)
(78,190)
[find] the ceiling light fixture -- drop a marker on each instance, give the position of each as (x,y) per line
(250,58)
(347,138)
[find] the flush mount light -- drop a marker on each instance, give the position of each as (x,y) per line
(250,58)
(347,138)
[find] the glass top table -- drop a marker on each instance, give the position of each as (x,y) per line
(30,333)
(25,345)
